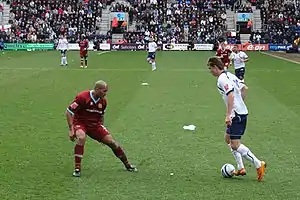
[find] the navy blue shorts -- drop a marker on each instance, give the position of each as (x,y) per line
(238,127)
(151,55)
(63,52)
(240,73)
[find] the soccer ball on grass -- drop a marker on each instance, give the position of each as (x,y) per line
(227,170)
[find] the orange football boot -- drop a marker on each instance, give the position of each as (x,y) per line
(261,171)
(241,172)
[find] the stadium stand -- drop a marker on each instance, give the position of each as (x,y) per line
(177,21)
(182,21)
(44,20)
(281,21)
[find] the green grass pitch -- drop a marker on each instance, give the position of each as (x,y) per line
(36,160)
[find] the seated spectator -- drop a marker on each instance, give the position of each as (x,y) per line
(44,21)
(280,22)
(198,21)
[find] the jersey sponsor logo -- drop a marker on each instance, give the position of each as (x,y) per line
(94,111)
(74,105)
(100,106)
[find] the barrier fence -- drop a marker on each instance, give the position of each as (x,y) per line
(143,47)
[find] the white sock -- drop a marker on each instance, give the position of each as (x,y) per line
(153,66)
(62,60)
(238,158)
(248,155)
(65,60)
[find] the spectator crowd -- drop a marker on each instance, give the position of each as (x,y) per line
(45,20)
(176,21)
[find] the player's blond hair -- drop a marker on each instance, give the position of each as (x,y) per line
(100,84)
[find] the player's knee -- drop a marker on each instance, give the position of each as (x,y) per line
(109,141)
(235,144)
(81,136)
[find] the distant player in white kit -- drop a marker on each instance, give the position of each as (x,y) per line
(152,47)
(236,116)
(63,46)
(239,59)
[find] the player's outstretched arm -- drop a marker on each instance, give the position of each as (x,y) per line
(69,116)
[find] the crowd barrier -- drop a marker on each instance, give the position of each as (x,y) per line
(143,47)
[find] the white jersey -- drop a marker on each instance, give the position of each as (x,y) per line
(238,59)
(152,46)
(227,82)
(62,44)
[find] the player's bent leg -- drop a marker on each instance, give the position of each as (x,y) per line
(149,60)
(237,156)
(81,61)
(248,155)
(85,61)
(79,150)
(118,151)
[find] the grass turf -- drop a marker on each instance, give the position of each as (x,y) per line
(37,158)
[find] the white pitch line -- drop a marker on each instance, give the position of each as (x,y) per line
(103,52)
(279,57)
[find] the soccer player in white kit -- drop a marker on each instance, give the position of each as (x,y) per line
(152,47)
(236,116)
(63,46)
(239,59)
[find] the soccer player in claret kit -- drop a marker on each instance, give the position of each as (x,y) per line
(224,55)
(85,116)
(83,45)
(236,116)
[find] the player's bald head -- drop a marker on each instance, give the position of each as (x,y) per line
(100,84)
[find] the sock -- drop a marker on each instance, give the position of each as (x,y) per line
(85,62)
(119,153)
(248,155)
(62,60)
(78,154)
(238,158)
(81,62)
(153,65)
(65,60)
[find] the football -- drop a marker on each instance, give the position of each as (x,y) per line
(227,170)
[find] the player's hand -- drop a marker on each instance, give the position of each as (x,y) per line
(228,120)
(72,135)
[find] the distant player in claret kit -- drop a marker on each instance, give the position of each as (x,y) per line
(152,47)
(224,55)
(236,116)
(239,59)
(83,45)
(85,116)
(63,47)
